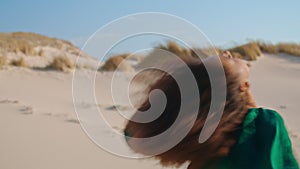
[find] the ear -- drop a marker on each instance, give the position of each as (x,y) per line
(244,86)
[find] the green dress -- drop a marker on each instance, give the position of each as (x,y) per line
(264,144)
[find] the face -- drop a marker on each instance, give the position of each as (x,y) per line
(239,65)
(243,69)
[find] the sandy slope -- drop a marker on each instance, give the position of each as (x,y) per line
(39,129)
(37,141)
(38,124)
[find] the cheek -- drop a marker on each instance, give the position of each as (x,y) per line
(245,73)
(231,62)
(247,70)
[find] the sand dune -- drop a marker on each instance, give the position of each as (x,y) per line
(39,128)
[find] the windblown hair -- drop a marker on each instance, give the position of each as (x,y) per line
(189,149)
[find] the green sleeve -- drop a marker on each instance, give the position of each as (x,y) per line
(281,152)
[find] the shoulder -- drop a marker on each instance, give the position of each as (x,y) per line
(266,124)
(259,122)
(267,121)
(267,116)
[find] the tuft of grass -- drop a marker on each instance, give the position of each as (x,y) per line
(41,53)
(112,63)
(10,44)
(188,53)
(268,47)
(3,61)
(249,51)
(164,52)
(61,63)
(289,48)
(25,48)
(181,52)
(19,63)
(117,62)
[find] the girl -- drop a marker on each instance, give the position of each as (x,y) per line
(247,137)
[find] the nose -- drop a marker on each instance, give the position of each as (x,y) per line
(227,54)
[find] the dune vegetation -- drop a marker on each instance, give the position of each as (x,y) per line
(26,43)
(19,62)
(20,48)
(3,61)
(288,48)
(112,63)
(117,62)
(254,49)
(61,63)
(249,51)
(16,47)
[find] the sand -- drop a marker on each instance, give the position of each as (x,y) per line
(39,128)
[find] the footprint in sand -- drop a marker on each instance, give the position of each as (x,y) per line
(117,107)
(26,110)
(282,106)
(72,120)
(10,101)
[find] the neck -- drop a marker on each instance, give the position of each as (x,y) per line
(251,103)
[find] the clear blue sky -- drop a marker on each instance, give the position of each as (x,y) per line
(222,21)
